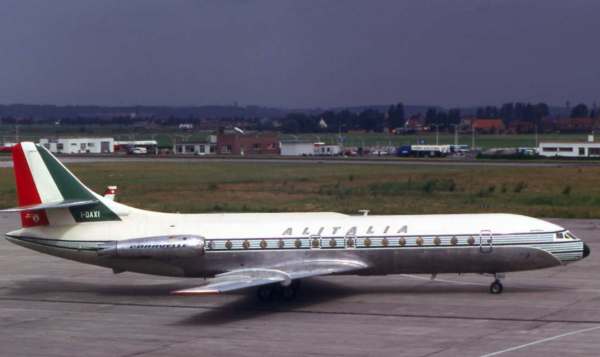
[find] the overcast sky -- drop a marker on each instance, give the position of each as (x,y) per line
(299,53)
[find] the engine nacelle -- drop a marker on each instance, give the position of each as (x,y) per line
(181,246)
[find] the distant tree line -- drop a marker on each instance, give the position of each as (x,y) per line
(521,115)
(442,119)
(529,112)
(369,120)
(582,111)
(509,112)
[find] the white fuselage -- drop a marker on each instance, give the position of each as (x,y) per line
(390,244)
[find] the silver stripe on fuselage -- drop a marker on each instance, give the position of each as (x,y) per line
(565,251)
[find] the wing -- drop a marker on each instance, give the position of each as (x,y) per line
(246,278)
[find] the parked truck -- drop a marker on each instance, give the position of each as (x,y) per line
(424,150)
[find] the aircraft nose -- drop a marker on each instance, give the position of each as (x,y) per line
(586,250)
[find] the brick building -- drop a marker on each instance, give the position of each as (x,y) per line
(521,127)
(487,125)
(249,143)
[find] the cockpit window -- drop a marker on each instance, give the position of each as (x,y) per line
(569,235)
(565,235)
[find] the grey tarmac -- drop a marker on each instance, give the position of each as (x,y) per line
(53,307)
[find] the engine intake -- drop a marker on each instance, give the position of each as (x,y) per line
(180,246)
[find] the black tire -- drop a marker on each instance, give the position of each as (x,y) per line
(288,293)
(296,284)
(265,293)
(496,287)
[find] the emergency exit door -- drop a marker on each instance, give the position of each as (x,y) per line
(486,241)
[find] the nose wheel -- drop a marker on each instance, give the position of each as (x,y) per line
(496,287)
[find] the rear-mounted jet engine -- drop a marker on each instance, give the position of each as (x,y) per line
(183,246)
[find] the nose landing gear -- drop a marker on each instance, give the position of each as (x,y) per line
(496,286)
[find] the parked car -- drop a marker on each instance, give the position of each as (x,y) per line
(138,150)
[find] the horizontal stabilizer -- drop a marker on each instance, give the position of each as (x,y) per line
(51,205)
(247,278)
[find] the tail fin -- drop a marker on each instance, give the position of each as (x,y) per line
(44,183)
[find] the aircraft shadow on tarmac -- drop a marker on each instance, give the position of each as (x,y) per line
(39,287)
(237,306)
(317,291)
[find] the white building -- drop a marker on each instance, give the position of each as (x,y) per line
(306,148)
(296,148)
(322,149)
(199,148)
(79,145)
(550,149)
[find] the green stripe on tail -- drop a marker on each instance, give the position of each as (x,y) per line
(71,189)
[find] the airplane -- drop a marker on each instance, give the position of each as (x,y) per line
(271,252)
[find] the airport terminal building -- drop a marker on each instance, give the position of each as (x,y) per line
(572,150)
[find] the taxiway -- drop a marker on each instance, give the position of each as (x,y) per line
(53,307)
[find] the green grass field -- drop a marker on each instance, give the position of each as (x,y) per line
(240,187)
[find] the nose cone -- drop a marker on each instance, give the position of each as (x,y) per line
(586,250)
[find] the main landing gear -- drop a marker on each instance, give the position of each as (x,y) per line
(496,287)
(268,293)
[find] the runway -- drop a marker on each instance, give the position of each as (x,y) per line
(78,159)
(53,307)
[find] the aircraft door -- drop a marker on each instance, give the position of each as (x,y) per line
(486,241)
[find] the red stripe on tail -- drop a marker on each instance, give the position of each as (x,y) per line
(26,190)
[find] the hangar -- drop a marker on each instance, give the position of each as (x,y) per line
(79,145)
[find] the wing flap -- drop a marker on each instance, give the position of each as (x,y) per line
(324,267)
(51,205)
(224,286)
(247,278)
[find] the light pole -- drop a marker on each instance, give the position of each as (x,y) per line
(17,137)
(455,134)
